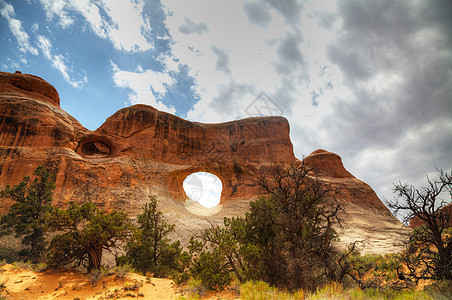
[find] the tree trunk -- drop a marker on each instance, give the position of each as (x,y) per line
(234,268)
(94,258)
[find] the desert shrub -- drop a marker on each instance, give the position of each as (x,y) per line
(39,267)
(448,231)
(132,285)
(180,278)
(121,271)
(22,265)
(196,288)
(9,255)
(95,276)
(209,268)
(381,267)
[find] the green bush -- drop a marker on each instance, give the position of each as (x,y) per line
(180,278)
(381,268)
(448,231)
(210,270)
(9,255)
(277,241)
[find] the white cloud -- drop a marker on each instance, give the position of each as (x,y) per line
(58,8)
(362,79)
(45,45)
(190,27)
(35,27)
(58,62)
(7,11)
(231,64)
(13,65)
(146,86)
(120,21)
(369,80)
(204,188)
(130,27)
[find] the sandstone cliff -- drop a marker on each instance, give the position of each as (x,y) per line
(445,211)
(141,151)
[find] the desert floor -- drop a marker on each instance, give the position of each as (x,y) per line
(17,283)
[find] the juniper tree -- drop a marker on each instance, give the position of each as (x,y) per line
(86,232)
(150,249)
(285,239)
(27,216)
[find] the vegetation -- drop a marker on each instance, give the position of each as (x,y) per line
(375,271)
(285,239)
(281,249)
(9,255)
(429,249)
(292,228)
(87,231)
(150,250)
(32,203)
(261,290)
(209,267)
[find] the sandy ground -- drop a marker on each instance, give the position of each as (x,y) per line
(71,284)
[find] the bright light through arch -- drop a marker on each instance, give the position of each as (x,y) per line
(204,188)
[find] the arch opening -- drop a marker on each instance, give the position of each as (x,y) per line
(204,188)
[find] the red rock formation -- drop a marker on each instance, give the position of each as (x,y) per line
(140,150)
(346,186)
(327,163)
(28,86)
(446,211)
(234,151)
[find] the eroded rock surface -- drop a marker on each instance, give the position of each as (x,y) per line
(140,151)
(445,212)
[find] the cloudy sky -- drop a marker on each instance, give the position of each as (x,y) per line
(368,80)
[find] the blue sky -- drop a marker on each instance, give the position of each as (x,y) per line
(369,80)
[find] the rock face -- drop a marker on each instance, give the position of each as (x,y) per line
(445,211)
(140,151)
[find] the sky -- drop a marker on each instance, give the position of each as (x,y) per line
(368,80)
(204,188)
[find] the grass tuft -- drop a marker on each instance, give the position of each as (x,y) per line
(261,290)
